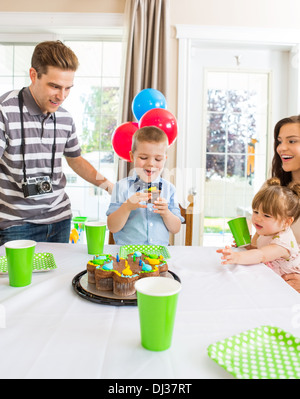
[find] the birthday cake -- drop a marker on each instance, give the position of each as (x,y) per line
(117,274)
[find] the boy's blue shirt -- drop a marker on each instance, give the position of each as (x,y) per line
(143,227)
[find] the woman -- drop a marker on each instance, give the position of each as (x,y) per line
(286,166)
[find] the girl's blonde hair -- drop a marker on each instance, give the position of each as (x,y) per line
(278,201)
(149,134)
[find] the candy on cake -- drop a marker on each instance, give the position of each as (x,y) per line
(118,274)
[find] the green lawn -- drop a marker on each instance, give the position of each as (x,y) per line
(216,225)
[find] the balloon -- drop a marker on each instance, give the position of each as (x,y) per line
(163,119)
(122,139)
(147,99)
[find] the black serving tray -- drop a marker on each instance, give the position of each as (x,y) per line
(102,299)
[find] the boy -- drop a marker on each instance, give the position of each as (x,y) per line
(130,217)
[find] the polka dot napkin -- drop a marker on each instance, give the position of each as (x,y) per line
(261,353)
(41,262)
(146,249)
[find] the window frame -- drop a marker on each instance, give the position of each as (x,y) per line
(26,26)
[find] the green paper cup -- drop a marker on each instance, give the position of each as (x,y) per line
(95,237)
(157,301)
(240,231)
(19,254)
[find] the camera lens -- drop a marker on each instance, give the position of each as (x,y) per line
(45,186)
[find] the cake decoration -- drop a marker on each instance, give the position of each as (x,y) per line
(107,266)
(146,268)
(118,274)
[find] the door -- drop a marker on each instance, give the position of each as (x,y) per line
(235,96)
(235,127)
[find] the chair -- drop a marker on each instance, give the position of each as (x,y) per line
(188,215)
(111,240)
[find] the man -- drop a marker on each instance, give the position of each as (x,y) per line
(35,132)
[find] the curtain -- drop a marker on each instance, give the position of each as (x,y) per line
(147,37)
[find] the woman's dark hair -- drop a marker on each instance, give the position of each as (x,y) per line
(277,171)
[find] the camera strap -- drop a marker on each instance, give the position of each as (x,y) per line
(21,104)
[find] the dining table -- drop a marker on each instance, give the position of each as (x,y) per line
(51,330)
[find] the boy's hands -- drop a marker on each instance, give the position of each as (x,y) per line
(135,200)
(171,221)
(161,206)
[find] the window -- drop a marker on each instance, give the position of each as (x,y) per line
(94,103)
(14,65)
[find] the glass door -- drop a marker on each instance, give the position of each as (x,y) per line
(236,125)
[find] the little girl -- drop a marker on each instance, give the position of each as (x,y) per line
(275,208)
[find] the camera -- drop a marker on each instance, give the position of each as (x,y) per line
(36,186)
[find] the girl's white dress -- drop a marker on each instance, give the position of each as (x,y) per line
(287,240)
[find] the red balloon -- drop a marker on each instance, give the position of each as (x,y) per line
(122,139)
(163,119)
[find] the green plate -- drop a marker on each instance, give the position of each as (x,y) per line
(261,353)
(146,249)
(41,262)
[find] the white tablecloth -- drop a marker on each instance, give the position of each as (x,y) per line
(48,331)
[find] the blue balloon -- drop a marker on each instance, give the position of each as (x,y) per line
(147,99)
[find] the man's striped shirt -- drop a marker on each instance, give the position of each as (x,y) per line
(39,137)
